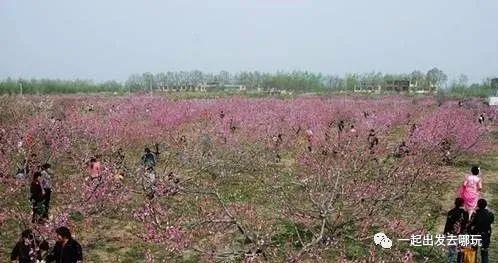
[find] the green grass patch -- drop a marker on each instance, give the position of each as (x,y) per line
(292,233)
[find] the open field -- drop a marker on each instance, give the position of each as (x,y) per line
(240,179)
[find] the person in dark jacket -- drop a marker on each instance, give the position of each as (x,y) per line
(120,157)
(456,224)
(28,249)
(46,181)
(37,198)
(66,250)
(481,118)
(149,159)
(413,129)
(402,150)
(372,141)
(480,224)
(24,249)
(340,126)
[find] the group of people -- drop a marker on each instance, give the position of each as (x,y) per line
(372,138)
(30,249)
(148,162)
(470,217)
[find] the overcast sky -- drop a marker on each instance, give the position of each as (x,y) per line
(103,40)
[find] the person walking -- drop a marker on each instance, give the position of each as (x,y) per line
(46,183)
(372,141)
(481,118)
(456,224)
(480,224)
(149,182)
(37,198)
(470,190)
(148,159)
(309,138)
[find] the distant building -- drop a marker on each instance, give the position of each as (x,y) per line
(397,86)
(493,101)
(212,86)
(234,87)
(494,83)
(180,88)
(368,87)
(275,92)
(394,86)
(420,88)
(388,86)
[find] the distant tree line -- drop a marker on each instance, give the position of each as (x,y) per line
(296,81)
(461,87)
(55,86)
(299,81)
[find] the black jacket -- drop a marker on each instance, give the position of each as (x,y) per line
(69,253)
(456,221)
(481,222)
(21,253)
(36,191)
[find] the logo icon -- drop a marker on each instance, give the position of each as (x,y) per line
(382,240)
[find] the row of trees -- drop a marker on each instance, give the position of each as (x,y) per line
(49,86)
(461,87)
(434,77)
(297,81)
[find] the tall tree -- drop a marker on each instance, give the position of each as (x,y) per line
(417,78)
(436,77)
(463,80)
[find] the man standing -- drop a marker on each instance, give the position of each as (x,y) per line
(66,250)
(149,182)
(309,137)
(46,183)
(372,141)
(148,159)
(37,198)
(481,118)
(480,224)
(456,223)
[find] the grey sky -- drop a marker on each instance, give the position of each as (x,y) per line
(101,40)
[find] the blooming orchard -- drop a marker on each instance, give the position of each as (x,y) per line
(239,178)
